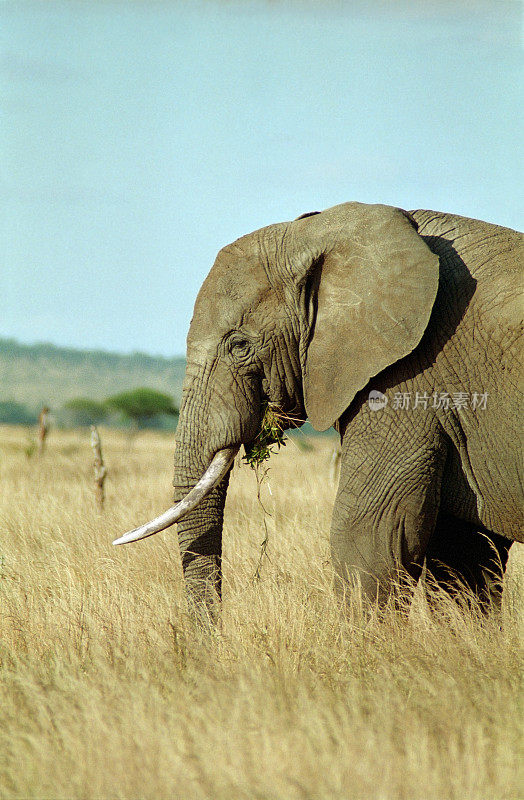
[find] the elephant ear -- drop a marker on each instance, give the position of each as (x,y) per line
(373,284)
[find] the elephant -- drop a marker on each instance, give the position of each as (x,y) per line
(401,330)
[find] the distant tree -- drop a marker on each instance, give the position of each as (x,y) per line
(82,412)
(142,406)
(14,413)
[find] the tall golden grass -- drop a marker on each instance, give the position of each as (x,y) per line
(107,691)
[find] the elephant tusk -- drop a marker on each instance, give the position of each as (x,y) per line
(214,473)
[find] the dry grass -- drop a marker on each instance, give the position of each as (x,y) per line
(107,692)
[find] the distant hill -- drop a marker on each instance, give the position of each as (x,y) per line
(45,374)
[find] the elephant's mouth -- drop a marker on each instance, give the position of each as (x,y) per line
(273,423)
(218,467)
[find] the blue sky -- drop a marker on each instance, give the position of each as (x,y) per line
(138,138)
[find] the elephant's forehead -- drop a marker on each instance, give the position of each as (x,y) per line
(236,284)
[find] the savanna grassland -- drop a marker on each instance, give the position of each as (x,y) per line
(107,691)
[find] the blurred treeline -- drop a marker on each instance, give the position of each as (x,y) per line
(43,374)
(139,408)
(79,386)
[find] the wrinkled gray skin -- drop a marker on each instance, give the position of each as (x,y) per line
(312,315)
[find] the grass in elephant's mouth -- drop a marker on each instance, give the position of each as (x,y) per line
(257,453)
(271,433)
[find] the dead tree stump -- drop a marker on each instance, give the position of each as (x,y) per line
(43,428)
(99,467)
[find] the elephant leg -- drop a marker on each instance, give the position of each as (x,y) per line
(387,502)
(461,555)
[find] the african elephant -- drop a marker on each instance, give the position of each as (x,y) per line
(401,330)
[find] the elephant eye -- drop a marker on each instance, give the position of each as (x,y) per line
(239,346)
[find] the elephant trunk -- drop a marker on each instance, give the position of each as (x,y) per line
(200,534)
(201,477)
(200,541)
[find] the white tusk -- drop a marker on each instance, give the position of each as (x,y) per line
(214,473)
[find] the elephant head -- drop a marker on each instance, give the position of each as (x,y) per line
(299,315)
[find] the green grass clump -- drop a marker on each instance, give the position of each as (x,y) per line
(270,434)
